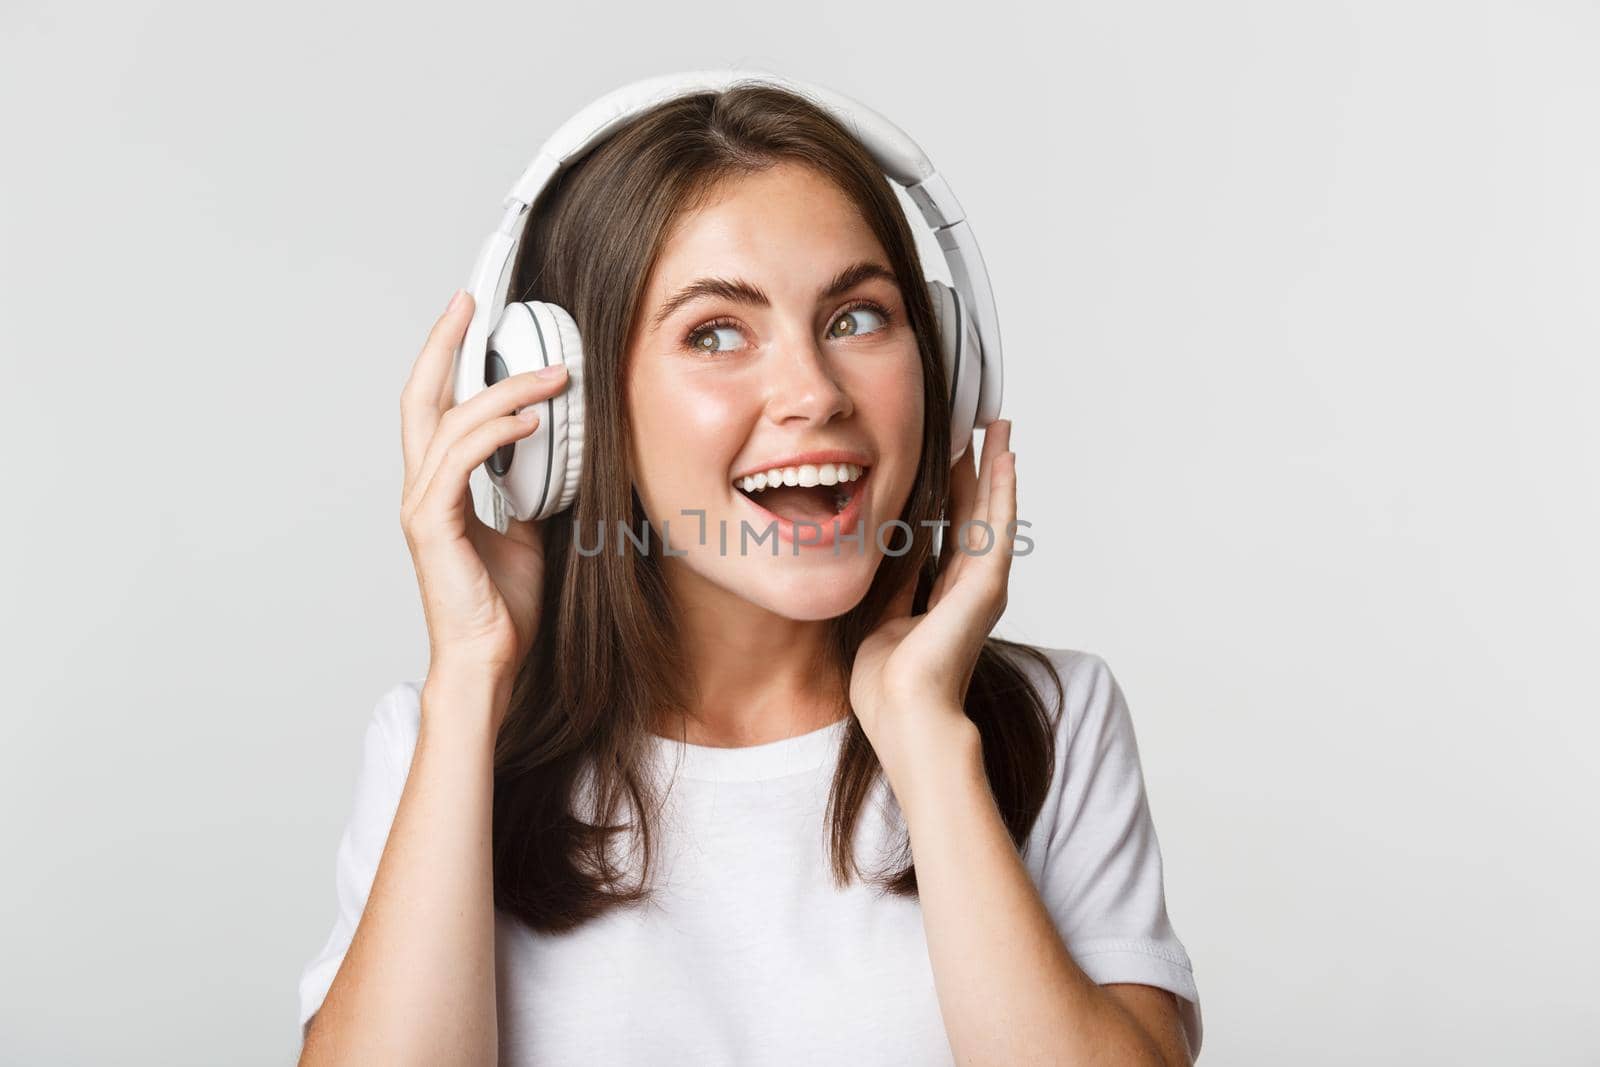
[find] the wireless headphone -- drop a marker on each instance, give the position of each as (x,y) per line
(537,476)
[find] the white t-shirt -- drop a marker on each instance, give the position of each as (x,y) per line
(748,953)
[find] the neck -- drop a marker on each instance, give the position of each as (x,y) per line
(756,676)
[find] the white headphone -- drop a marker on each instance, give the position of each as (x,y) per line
(537,476)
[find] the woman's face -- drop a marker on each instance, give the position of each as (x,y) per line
(772,328)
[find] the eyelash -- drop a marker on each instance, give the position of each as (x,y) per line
(722,322)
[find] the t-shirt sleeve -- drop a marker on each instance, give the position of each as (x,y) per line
(386,751)
(1093,852)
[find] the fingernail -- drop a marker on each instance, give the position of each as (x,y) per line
(455,301)
(555,370)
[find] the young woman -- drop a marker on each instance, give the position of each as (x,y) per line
(661,804)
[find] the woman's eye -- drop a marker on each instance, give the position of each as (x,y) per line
(707,339)
(851,323)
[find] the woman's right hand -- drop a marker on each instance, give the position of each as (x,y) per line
(481,589)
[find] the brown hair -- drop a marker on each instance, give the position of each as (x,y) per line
(604,663)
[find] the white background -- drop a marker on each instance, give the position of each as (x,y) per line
(1299,303)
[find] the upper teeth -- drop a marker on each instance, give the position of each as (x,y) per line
(804,474)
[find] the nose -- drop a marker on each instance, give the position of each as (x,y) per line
(802,386)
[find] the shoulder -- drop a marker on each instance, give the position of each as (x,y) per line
(1093,852)
(399,710)
(1095,767)
(1074,685)
(392,729)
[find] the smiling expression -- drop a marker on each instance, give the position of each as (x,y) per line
(772,335)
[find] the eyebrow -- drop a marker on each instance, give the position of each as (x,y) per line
(740,291)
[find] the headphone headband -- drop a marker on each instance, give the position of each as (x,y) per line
(896,154)
(892,149)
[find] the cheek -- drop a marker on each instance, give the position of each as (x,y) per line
(894,400)
(685,434)
(895,406)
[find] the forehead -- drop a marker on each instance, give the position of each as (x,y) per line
(785,222)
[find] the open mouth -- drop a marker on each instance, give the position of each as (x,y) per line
(807,493)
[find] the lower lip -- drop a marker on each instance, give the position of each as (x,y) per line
(845,522)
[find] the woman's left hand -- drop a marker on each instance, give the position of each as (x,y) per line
(910,677)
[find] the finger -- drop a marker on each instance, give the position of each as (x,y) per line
(995,441)
(952,554)
(976,600)
(502,398)
(447,487)
(422,398)
(1003,514)
(971,510)
(963,487)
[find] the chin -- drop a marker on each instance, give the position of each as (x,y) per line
(801,589)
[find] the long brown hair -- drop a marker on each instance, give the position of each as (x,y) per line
(604,663)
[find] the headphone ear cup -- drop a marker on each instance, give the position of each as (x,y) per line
(963,364)
(565,491)
(537,476)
